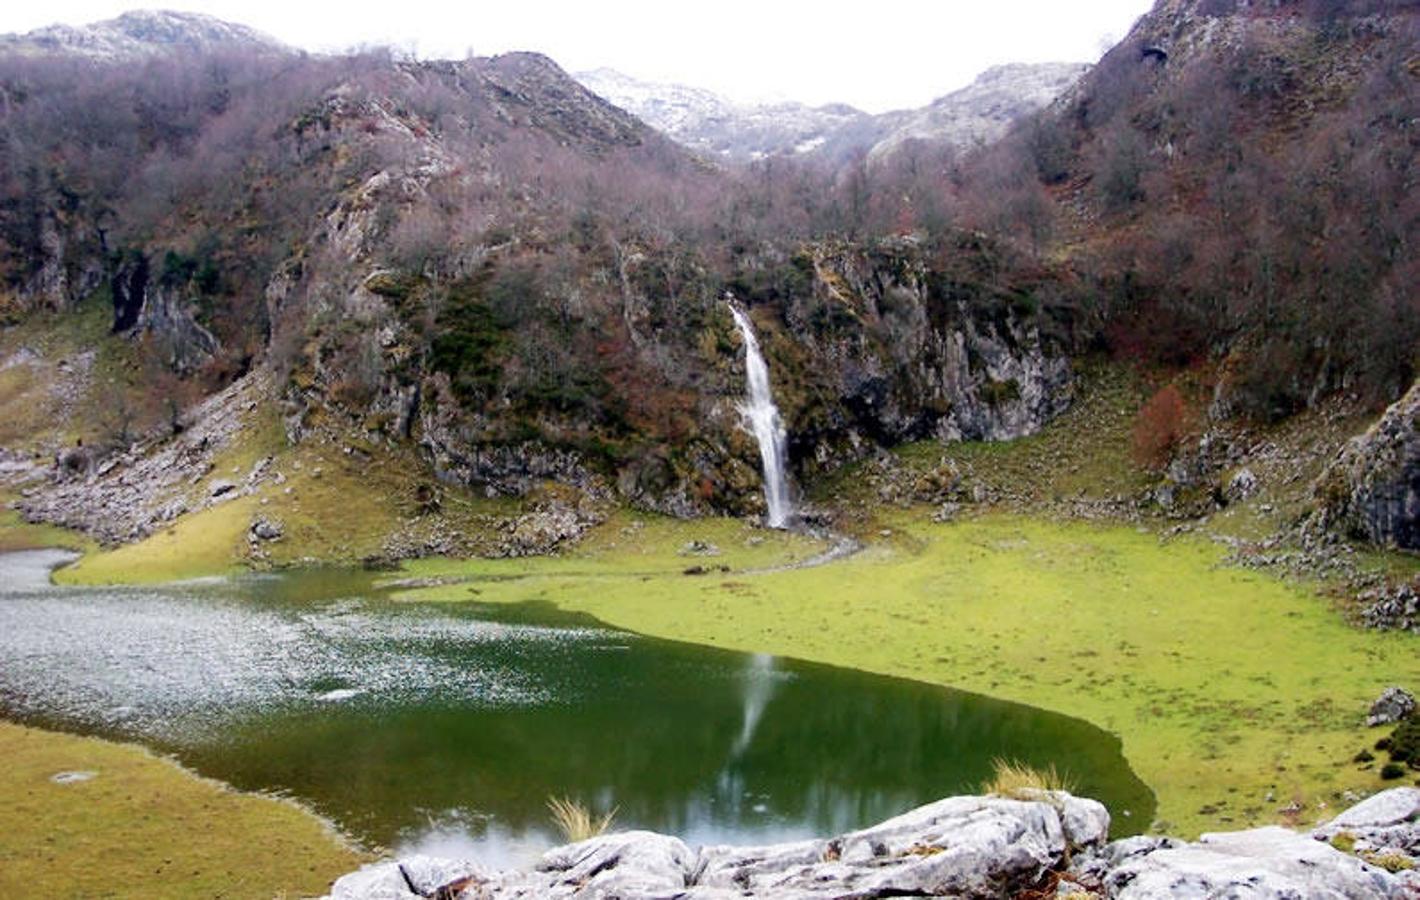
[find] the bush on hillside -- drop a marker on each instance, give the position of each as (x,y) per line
(1160,427)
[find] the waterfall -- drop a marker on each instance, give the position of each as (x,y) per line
(762,418)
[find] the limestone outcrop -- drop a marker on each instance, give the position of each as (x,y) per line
(1372,490)
(1050,843)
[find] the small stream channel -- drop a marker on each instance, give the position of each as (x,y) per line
(446,728)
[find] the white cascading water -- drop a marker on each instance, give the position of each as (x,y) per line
(762,417)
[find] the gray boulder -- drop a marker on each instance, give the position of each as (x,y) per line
(1262,864)
(1394,704)
(264,529)
(630,864)
(1393,807)
(959,847)
(1384,826)
(971,847)
(394,880)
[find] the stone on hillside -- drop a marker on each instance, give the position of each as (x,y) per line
(699,548)
(945,513)
(264,529)
(541,531)
(1394,704)
(1262,864)
(1391,607)
(220,487)
(1372,489)
(1241,486)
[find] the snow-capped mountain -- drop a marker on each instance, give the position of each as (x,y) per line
(721,128)
(140,33)
(983,110)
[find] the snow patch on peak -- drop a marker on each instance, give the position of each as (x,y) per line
(141,33)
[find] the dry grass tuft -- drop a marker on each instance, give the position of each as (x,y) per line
(1020,781)
(575,821)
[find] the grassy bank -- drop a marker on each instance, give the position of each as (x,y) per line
(144,827)
(1236,695)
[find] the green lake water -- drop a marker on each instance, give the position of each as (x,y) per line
(445,729)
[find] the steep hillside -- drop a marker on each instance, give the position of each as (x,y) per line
(487,265)
(1242,178)
(481,260)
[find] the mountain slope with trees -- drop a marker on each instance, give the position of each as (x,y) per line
(486,262)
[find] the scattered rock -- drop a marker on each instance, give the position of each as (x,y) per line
(1390,607)
(264,529)
(946,513)
(1394,704)
(542,531)
(1241,486)
(72,777)
(146,486)
(700,548)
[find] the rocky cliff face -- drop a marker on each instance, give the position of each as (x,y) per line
(1372,490)
(917,351)
(162,307)
(867,346)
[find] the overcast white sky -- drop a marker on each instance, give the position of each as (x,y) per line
(876,55)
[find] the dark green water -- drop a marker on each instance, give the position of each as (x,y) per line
(447,728)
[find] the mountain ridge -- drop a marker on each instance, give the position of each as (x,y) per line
(739,132)
(143,32)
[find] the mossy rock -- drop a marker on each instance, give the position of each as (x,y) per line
(392,284)
(998,393)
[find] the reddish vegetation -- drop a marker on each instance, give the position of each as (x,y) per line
(1160,428)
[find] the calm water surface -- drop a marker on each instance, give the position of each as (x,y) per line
(446,728)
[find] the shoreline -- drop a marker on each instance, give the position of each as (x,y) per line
(1207,767)
(132,817)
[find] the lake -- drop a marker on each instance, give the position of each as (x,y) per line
(446,728)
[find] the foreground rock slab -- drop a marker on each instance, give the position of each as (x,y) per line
(1264,863)
(960,847)
(1048,843)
